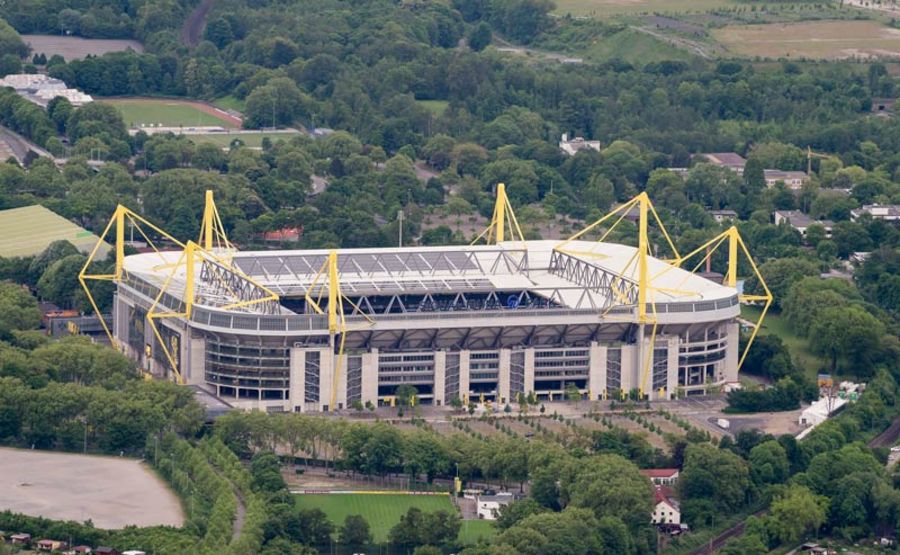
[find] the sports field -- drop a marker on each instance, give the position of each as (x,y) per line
(112,492)
(76,48)
(383,511)
(821,40)
(138,112)
(605,8)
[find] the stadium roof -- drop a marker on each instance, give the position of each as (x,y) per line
(27,231)
(581,274)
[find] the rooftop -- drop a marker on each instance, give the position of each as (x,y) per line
(580,275)
(732,159)
(29,230)
(659,472)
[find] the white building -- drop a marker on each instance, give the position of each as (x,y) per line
(572,146)
(793,180)
(488,506)
(661,476)
(801,222)
(820,410)
(722,216)
(456,322)
(885,212)
(666,510)
(41,89)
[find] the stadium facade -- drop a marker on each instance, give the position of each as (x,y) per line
(474,322)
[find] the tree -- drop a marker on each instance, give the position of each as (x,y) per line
(355,531)
(612,486)
(780,274)
(406,395)
(480,37)
(18,310)
(715,475)
(417,528)
(797,512)
(849,332)
(768,463)
(312,527)
(514,512)
(277,103)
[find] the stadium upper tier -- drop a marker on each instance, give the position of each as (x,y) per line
(582,276)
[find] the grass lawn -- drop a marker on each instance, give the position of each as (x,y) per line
(830,40)
(169,113)
(229,103)
(474,530)
(797,345)
(251,140)
(605,8)
(383,511)
(436,107)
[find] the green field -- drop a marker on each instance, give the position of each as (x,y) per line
(605,8)
(170,113)
(251,140)
(229,103)
(798,346)
(383,511)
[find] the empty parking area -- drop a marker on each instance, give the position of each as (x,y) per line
(110,491)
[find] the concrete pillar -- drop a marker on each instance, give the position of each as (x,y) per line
(630,368)
(597,371)
(672,367)
(195,369)
(340,362)
(732,353)
(529,371)
(464,374)
(326,377)
(297,395)
(370,377)
(440,376)
(503,370)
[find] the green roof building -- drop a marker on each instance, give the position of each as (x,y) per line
(27,231)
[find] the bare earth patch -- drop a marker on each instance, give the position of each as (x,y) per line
(828,40)
(76,48)
(112,492)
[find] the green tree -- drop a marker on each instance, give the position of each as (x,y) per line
(768,463)
(847,332)
(18,310)
(355,531)
(797,512)
(480,37)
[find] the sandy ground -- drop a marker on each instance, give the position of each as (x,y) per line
(112,492)
(76,48)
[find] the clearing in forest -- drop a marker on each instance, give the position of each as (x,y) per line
(112,492)
(144,112)
(605,8)
(822,40)
(76,48)
(383,510)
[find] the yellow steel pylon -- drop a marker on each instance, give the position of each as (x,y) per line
(192,255)
(337,322)
(212,231)
(121,216)
(504,217)
(644,282)
(736,246)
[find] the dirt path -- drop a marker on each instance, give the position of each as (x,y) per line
(193,27)
(697,48)
(240,514)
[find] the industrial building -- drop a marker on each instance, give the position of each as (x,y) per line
(314,330)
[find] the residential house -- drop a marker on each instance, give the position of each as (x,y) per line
(793,180)
(666,509)
(51,545)
(721,216)
(801,222)
(661,476)
(572,146)
(488,506)
(884,212)
(731,160)
(106,551)
(20,539)
(81,550)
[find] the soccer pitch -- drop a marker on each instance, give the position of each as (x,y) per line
(139,112)
(383,511)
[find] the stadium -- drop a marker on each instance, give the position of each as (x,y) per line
(313,330)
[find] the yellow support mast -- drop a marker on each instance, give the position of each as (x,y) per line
(504,217)
(121,217)
(736,247)
(329,276)
(645,287)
